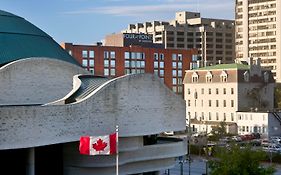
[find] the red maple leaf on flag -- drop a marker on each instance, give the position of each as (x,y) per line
(100,145)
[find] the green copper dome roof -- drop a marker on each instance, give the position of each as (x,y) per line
(21,39)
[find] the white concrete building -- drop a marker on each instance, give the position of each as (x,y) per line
(214,38)
(215,93)
(258,31)
(265,123)
(48,102)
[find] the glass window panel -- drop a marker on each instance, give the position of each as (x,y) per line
(112,54)
(175,88)
(174,65)
(179,65)
(180,57)
(92,54)
(156,56)
(106,54)
(142,70)
(133,64)
(142,64)
(92,70)
(84,54)
(106,72)
(91,63)
(162,64)
(127,71)
(156,71)
(84,63)
(179,73)
(174,73)
(106,63)
(133,71)
(112,72)
(143,56)
(174,81)
(134,55)
(174,56)
(138,64)
(112,63)
(179,80)
(127,64)
(179,89)
(162,73)
(127,55)
(161,56)
(139,55)
(155,64)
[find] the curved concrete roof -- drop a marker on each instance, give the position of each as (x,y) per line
(21,39)
(140,104)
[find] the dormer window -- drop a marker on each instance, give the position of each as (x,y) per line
(209,77)
(246,76)
(195,77)
(223,76)
(266,77)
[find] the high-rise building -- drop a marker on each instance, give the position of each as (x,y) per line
(258,31)
(214,38)
(132,54)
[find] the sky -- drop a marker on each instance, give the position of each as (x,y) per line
(89,21)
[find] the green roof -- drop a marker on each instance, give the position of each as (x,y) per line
(21,39)
(226,66)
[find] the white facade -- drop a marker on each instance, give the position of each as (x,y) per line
(265,123)
(258,31)
(214,94)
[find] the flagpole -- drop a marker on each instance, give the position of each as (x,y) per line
(117,151)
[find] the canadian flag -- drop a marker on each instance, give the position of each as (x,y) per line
(98,145)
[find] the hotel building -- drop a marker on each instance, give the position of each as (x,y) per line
(258,32)
(214,38)
(132,54)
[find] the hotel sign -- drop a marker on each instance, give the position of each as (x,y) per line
(134,38)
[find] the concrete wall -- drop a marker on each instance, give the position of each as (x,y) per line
(30,81)
(139,104)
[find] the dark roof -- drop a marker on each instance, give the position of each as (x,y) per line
(21,39)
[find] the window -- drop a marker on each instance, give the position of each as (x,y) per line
(155,64)
(195,79)
(232,117)
(106,72)
(106,63)
(223,77)
(179,65)
(188,102)
(161,73)
(91,54)
(217,103)
(174,81)
(232,91)
(162,57)
(174,65)
(106,54)
(180,57)
(209,77)
(210,116)
(155,56)
(92,70)
(224,116)
(217,91)
(217,116)
(179,73)
(112,54)
(112,63)
(174,73)
(188,91)
(210,91)
(84,54)
(127,55)
(85,63)
(210,103)
(224,103)
(112,72)
(142,64)
(174,56)
(202,116)
(202,91)
(91,63)
(232,103)
(180,90)
(127,64)
(161,64)
(224,90)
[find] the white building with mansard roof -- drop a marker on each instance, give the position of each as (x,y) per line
(215,93)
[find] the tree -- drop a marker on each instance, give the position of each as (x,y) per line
(218,131)
(237,161)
